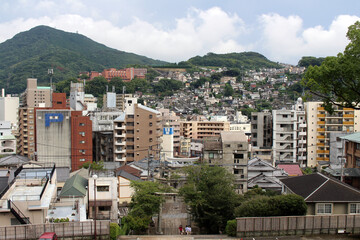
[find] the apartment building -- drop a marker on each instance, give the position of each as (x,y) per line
(202,129)
(261,135)
(231,151)
(7,139)
(321,124)
(9,107)
(25,141)
(36,96)
(114,100)
(137,133)
(289,135)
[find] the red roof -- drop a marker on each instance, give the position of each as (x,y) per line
(48,235)
(291,169)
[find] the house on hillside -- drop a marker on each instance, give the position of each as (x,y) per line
(324,195)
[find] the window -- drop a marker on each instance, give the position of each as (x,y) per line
(324,208)
(81,124)
(354,208)
(239,145)
(104,208)
(82,133)
(358,146)
(150,124)
(82,151)
(150,116)
(150,139)
(211,155)
(227,145)
(82,159)
(236,171)
(102,188)
(150,132)
(82,141)
(357,159)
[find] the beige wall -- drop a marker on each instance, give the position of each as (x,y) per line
(125,191)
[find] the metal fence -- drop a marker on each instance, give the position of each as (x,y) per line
(297,225)
(62,230)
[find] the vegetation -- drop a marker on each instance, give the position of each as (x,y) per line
(114,231)
(94,165)
(210,194)
(32,53)
(264,206)
(310,61)
(230,228)
(144,204)
(246,60)
(337,80)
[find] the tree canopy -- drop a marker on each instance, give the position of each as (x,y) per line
(310,61)
(210,194)
(337,80)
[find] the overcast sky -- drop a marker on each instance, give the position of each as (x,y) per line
(176,30)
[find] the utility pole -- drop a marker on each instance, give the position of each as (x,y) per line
(51,72)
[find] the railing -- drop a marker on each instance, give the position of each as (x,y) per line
(12,205)
(67,230)
(302,225)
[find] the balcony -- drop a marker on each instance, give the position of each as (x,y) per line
(321,137)
(348,115)
(120,150)
(321,115)
(321,129)
(349,123)
(320,122)
(302,133)
(321,109)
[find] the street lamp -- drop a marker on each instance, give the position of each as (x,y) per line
(95,177)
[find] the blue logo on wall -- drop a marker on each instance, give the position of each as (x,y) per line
(53,117)
(168,131)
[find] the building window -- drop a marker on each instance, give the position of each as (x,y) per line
(81,124)
(358,146)
(239,145)
(82,159)
(227,145)
(354,208)
(236,171)
(150,124)
(82,141)
(104,208)
(150,131)
(150,139)
(82,151)
(357,161)
(82,133)
(102,188)
(324,208)
(150,116)
(211,155)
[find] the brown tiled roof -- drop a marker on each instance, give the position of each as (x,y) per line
(129,169)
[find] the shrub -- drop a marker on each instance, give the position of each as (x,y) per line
(114,231)
(230,228)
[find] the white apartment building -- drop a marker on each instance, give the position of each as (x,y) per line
(9,109)
(321,123)
(289,135)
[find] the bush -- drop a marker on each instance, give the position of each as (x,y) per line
(114,231)
(263,206)
(230,228)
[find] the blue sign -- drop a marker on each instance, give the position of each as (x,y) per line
(53,117)
(168,131)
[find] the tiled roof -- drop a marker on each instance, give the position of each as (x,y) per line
(74,186)
(354,137)
(291,169)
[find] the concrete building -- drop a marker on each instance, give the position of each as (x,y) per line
(9,107)
(174,122)
(231,151)
(105,185)
(77,95)
(137,133)
(261,135)
(114,100)
(289,135)
(28,198)
(202,129)
(7,139)
(36,96)
(321,123)
(63,137)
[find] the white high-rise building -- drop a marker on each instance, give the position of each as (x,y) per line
(9,107)
(289,135)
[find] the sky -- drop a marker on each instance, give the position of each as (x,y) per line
(176,30)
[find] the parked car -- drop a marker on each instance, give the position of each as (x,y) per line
(48,236)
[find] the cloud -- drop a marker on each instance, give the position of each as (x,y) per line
(198,33)
(284,38)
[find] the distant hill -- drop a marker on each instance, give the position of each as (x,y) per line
(32,53)
(246,60)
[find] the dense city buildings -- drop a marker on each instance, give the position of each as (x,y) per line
(202,129)
(261,135)
(126,74)
(321,124)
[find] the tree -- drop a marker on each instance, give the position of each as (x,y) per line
(209,192)
(64,86)
(310,61)
(144,204)
(229,91)
(97,86)
(337,80)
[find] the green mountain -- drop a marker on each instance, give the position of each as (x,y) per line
(32,53)
(246,60)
